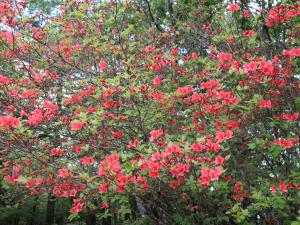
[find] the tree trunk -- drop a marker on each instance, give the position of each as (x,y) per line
(140,206)
(50,209)
(16,220)
(91,219)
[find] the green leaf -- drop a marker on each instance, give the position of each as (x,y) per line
(22,180)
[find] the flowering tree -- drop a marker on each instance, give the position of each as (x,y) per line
(158,112)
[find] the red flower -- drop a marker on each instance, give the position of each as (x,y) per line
(221,136)
(117,134)
(210,84)
(274,189)
(215,173)
(179,170)
(109,165)
(283,187)
(159,97)
(174,52)
(4,80)
(292,52)
(219,160)
(133,144)
(65,173)
(228,134)
(225,56)
(157,81)
(105,205)
(192,207)
(153,169)
(73,193)
(174,184)
(50,106)
(265,104)
(104,187)
(156,67)
(249,33)
(56,152)
(86,160)
(173,149)
(250,67)
(290,117)
(185,90)
(30,94)
(208,175)
(286,143)
(238,187)
(246,13)
(233,7)
(76,206)
(154,134)
(122,181)
(9,121)
(102,65)
(281,13)
(36,117)
(77,125)
(76,149)
(149,49)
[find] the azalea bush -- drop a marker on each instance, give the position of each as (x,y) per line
(151,112)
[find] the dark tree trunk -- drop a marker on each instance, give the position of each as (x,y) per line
(16,220)
(50,209)
(91,219)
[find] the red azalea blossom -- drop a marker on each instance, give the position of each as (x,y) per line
(56,152)
(233,7)
(4,80)
(77,206)
(294,52)
(155,134)
(102,65)
(87,160)
(133,144)
(225,56)
(105,205)
(249,33)
(76,149)
(283,187)
(77,125)
(157,81)
(219,160)
(109,165)
(208,175)
(9,121)
(174,52)
(185,90)
(281,13)
(65,173)
(36,117)
(286,143)
(290,117)
(179,170)
(274,189)
(265,104)
(103,188)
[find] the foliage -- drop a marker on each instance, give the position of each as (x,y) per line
(149,112)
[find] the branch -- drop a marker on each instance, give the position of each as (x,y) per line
(152,18)
(171,12)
